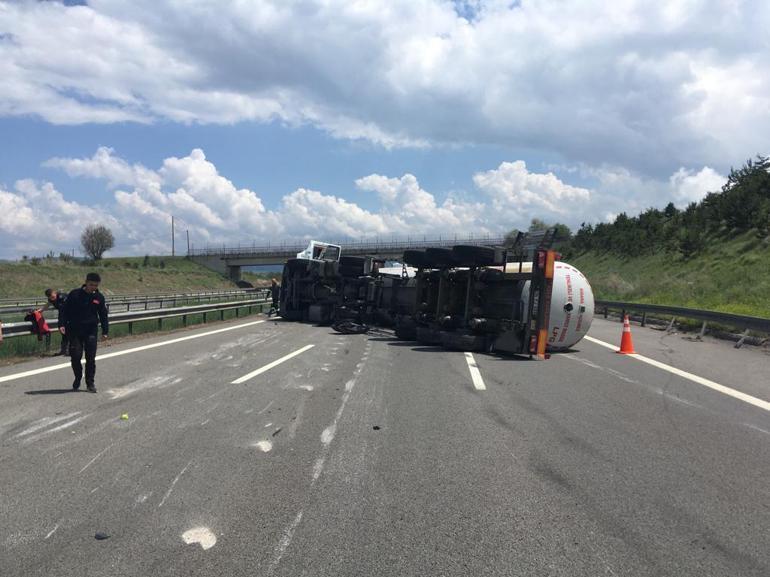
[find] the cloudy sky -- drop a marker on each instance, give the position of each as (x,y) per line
(265,120)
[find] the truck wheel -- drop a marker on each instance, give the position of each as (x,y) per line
(441,257)
(416,258)
(477,255)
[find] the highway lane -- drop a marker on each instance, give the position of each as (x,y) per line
(366,455)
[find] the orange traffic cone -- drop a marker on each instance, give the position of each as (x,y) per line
(626,344)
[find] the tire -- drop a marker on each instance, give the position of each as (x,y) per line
(350,271)
(416,258)
(357,261)
(428,336)
(441,257)
(462,342)
(472,255)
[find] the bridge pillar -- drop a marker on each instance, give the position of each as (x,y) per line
(234,273)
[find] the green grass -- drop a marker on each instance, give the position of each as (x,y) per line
(729,276)
(119,276)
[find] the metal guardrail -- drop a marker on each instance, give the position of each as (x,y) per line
(374,245)
(743,322)
(116,301)
(129,317)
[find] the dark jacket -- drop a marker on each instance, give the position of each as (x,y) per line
(82,312)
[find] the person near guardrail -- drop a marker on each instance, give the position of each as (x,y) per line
(83,311)
(55,299)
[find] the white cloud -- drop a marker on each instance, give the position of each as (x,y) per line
(649,86)
(216,211)
(690,186)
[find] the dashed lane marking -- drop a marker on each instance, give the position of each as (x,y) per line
(478,381)
(269,366)
(690,377)
(42,370)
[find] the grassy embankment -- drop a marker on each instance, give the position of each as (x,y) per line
(728,276)
(123,275)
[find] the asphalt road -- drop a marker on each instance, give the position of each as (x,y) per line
(363,455)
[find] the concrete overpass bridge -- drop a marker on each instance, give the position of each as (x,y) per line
(229,260)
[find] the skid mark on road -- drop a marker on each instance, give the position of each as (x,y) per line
(327,436)
(44,422)
(593,365)
(92,461)
(63,426)
(173,484)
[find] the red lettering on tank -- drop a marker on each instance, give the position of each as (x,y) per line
(579,323)
(569,288)
(582,296)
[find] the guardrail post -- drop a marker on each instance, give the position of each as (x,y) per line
(160,323)
(237,312)
(205,317)
(130,328)
(222,314)
(184,320)
(644,319)
(702,332)
(606,310)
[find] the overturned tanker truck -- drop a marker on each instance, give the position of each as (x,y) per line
(520,300)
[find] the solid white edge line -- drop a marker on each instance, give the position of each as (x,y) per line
(126,352)
(478,381)
(689,376)
(269,366)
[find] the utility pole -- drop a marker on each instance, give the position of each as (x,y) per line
(188,241)
(172,235)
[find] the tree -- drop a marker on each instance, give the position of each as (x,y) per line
(96,240)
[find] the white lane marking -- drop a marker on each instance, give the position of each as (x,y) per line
(200,535)
(52,531)
(44,422)
(171,488)
(269,366)
(478,382)
(92,461)
(205,422)
(264,446)
(126,352)
(689,376)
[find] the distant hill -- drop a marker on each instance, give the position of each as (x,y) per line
(119,276)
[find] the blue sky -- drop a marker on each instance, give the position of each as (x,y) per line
(269,120)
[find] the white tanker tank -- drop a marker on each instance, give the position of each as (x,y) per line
(572,306)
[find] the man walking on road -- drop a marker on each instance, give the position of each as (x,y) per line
(80,316)
(56,300)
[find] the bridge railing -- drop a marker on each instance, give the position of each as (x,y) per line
(375,245)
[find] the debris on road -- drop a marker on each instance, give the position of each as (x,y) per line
(101,536)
